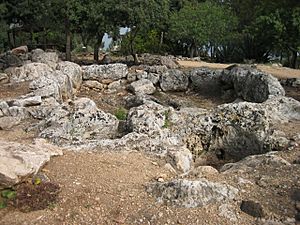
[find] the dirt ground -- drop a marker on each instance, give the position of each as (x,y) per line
(277,71)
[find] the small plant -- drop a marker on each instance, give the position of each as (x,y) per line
(121,113)
(167,122)
(6,196)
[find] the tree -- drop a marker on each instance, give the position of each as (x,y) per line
(143,16)
(200,24)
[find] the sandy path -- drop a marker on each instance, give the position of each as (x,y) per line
(279,72)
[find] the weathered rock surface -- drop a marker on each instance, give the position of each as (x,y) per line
(93,84)
(206,81)
(49,58)
(251,84)
(27,101)
(148,118)
(4,78)
(248,164)
(142,86)
(55,84)
(190,194)
(73,71)
(79,122)
(153,77)
(168,62)
(174,80)
(28,72)
(180,158)
(9,60)
(18,161)
(100,72)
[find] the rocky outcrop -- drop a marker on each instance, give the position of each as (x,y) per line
(49,58)
(101,72)
(18,161)
(206,81)
(252,85)
(142,86)
(73,71)
(28,72)
(174,80)
(79,122)
(9,60)
(190,194)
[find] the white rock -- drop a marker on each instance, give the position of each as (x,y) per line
(142,86)
(18,161)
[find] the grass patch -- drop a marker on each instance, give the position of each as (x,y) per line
(167,122)
(121,113)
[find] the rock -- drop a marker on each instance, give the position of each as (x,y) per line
(73,71)
(250,163)
(206,81)
(100,72)
(116,85)
(142,86)
(281,109)
(156,69)
(18,161)
(93,84)
(7,122)
(251,84)
(131,77)
(81,122)
(20,50)
(174,80)
(49,58)
(252,208)
(28,101)
(148,118)
(9,60)
(180,158)
(153,77)
(227,211)
(55,84)
(168,62)
(191,194)
(4,79)
(203,171)
(28,72)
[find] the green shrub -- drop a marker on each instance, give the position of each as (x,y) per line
(121,113)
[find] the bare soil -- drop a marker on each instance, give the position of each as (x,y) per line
(277,71)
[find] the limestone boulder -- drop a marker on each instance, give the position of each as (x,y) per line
(174,80)
(79,122)
(18,161)
(101,72)
(251,84)
(206,81)
(73,71)
(49,58)
(28,72)
(191,194)
(142,86)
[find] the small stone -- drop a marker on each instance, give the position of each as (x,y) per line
(160,180)
(252,208)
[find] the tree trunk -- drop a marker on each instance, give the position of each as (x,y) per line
(68,40)
(161,40)
(294,59)
(192,50)
(97,46)
(96,51)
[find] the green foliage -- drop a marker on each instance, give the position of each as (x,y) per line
(121,113)
(3,204)
(167,122)
(8,194)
